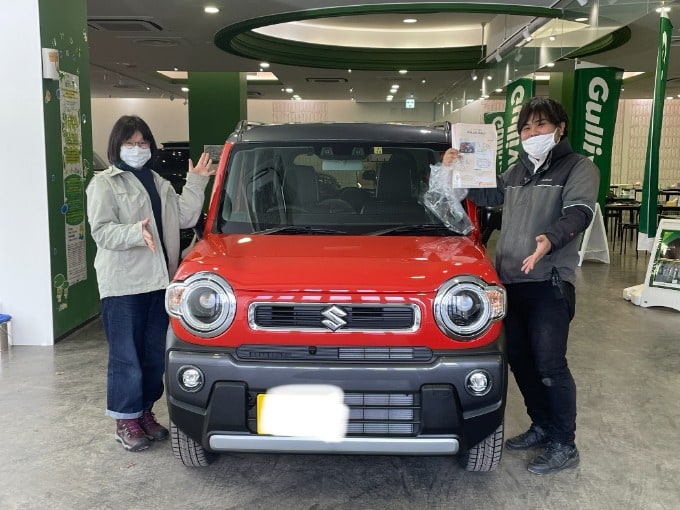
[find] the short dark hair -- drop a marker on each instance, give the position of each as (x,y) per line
(546,108)
(123,130)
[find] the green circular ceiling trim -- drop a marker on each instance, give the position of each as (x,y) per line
(610,41)
(295,53)
(240,39)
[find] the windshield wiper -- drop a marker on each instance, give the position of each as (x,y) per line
(293,229)
(429,229)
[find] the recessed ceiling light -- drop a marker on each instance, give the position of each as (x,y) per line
(552,38)
(410,20)
(289,90)
(395,86)
(664,9)
(550,64)
(581,19)
(211,10)
(403,71)
(185,89)
(423,81)
(264,65)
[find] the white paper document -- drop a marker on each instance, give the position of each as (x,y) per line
(476,143)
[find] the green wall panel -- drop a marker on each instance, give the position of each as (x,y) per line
(63,26)
(217,102)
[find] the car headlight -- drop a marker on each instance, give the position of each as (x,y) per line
(466,306)
(205,304)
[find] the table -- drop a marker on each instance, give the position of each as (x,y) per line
(614,218)
(667,192)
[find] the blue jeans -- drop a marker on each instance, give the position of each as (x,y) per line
(536,328)
(135,328)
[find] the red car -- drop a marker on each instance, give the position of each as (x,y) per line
(304,276)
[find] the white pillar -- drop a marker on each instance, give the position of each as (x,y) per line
(25,291)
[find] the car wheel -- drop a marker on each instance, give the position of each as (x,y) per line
(187,450)
(486,455)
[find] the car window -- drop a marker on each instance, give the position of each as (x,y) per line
(172,163)
(338,187)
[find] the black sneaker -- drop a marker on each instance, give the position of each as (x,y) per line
(557,456)
(534,437)
(131,435)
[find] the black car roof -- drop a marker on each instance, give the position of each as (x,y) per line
(355,131)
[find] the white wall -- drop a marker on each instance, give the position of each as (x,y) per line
(25,278)
(169,120)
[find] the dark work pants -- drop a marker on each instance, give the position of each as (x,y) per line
(536,328)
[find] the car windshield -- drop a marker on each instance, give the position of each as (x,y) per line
(331,188)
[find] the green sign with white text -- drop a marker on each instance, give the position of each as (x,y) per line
(591,128)
(517,93)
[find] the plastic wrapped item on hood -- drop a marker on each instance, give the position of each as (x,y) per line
(443,198)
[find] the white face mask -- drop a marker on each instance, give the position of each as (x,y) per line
(540,145)
(135,156)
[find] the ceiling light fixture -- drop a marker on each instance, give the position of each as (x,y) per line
(473,75)
(498,57)
(185,89)
(403,71)
(211,9)
(527,34)
(582,3)
(264,65)
(410,20)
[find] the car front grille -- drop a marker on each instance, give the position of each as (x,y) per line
(371,414)
(333,317)
(324,353)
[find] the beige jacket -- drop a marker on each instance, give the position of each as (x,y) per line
(117,203)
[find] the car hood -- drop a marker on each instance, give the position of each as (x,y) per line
(345,264)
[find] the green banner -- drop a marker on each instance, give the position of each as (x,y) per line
(591,130)
(650,185)
(517,93)
(498,120)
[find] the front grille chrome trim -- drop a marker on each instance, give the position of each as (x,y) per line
(316,317)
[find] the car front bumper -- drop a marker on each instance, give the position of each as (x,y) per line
(445,417)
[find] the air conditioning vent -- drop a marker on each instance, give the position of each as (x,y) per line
(124,25)
(327,80)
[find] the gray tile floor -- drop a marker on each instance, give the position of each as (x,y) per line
(58,450)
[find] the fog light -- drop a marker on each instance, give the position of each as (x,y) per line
(478,383)
(190,378)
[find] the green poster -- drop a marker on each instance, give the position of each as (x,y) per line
(517,93)
(498,120)
(591,128)
(650,186)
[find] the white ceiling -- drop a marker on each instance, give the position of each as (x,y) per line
(178,34)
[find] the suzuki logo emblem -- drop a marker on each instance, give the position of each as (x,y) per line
(334,317)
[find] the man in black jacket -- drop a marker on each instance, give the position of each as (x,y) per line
(548,199)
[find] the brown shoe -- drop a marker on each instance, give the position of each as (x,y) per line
(152,428)
(131,435)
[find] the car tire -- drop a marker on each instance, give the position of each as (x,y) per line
(188,451)
(486,455)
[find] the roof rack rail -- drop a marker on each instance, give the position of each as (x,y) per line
(444,126)
(244,125)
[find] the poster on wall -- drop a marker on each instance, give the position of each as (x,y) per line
(73,207)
